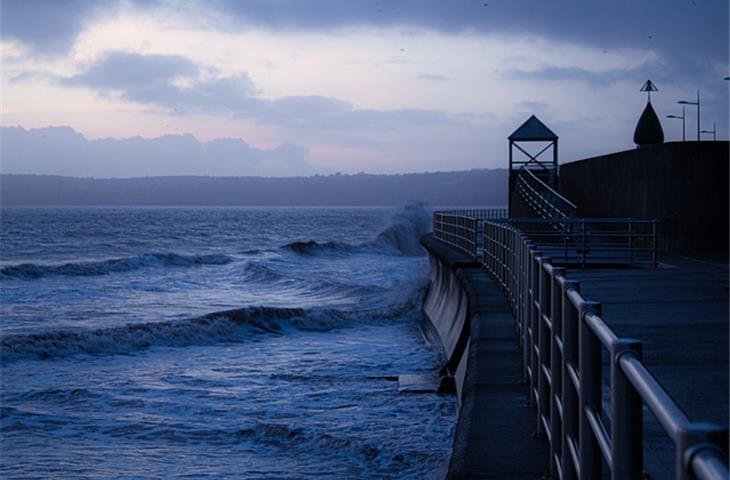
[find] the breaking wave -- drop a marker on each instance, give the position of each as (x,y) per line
(218,327)
(407,225)
(114,265)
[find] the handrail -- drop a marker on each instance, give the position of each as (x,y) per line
(549,188)
(461,228)
(585,241)
(562,337)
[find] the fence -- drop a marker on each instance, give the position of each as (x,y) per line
(562,337)
(582,241)
(461,228)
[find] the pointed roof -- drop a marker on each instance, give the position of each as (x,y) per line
(649,129)
(533,130)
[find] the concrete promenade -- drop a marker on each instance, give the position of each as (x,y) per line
(494,432)
(680,312)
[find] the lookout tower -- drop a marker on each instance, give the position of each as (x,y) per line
(545,168)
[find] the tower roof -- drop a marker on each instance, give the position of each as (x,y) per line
(533,130)
(649,129)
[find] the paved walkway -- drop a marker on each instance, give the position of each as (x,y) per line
(493,437)
(680,312)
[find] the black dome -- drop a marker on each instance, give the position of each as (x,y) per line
(649,129)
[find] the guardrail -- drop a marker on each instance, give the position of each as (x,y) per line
(541,198)
(580,241)
(562,337)
(461,228)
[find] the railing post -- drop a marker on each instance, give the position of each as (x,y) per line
(534,319)
(695,437)
(590,393)
(627,440)
(556,370)
(569,397)
(526,310)
(543,346)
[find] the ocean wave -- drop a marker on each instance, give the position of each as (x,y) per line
(260,273)
(113,265)
(406,227)
(218,327)
(311,247)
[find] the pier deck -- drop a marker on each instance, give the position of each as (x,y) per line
(680,312)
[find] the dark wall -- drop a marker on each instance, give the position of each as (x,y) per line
(684,185)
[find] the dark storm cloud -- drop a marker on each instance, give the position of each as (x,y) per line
(685,28)
(150,79)
(47,26)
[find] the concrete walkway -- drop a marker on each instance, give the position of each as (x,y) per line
(680,312)
(494,437)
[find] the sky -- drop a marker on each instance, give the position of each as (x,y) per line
(293,87)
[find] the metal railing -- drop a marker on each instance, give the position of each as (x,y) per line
(462,228)
(562,338)
(583,241)
(541,198)
(480,213)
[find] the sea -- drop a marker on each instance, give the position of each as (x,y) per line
(216,342)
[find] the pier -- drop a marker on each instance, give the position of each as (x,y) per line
(588,346)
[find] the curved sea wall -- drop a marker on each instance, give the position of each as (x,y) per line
(475,325)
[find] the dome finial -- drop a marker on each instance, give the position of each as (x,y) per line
(649,87)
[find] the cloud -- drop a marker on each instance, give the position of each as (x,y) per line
(433,77)
(120,70)
(150,79)
(50,26)
(558,74)
(63,151)
(606,24)
(54,24)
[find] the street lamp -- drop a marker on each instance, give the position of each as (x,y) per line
(697,104)
(713,132)
(684,135)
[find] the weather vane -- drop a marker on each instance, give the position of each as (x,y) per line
(648,88)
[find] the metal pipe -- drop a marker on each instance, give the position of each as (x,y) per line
(669,415)
(709,464)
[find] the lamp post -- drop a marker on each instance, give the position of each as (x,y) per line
(684,134)
(713,132)
(697,104)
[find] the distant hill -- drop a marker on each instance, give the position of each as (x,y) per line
(474,187)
